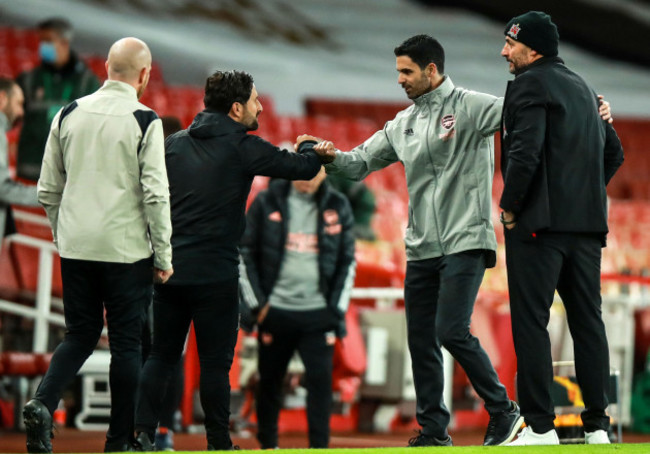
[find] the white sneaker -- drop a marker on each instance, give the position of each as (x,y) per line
(597,437)
(527,437)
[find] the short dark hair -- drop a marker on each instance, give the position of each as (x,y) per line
(7,85)
(224,88)
(61,26)
(423,49)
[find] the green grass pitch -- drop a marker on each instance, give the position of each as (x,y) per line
(568,449)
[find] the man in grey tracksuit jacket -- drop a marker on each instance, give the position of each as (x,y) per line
(445,143)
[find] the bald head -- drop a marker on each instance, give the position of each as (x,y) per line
(129,60)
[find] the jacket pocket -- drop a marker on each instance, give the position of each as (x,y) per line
(410,226)
(472,199)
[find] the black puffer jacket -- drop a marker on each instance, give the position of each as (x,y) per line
(263,247)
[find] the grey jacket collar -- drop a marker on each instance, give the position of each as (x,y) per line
(438,95)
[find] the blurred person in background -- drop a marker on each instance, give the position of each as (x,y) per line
(60,78)
(104,188)
(298,251)
(11,191)
(211,166)
(362,201)
(557,158)
(445,141)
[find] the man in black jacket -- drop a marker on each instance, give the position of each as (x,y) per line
(298,251)
(557,158)
(210,167)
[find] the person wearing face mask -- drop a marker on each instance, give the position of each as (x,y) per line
(104,188)
(11,191)
(60,78)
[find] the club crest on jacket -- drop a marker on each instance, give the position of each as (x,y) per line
(448,121)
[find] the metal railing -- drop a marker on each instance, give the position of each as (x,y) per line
(41,312)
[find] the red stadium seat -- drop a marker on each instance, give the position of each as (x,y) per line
(96,65)
(350,352)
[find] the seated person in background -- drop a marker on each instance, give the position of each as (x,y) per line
(298,251)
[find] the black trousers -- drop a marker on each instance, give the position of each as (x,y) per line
(537,267)
(124,291)
(439,294)
(281,334)
(213,308)
(174,394)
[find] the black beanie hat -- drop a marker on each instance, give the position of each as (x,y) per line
(536,30)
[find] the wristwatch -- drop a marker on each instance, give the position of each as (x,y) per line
(503,219)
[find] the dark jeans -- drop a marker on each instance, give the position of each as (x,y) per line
(439,294)
(214,310)
(282,333)
(124,290)
(537,267)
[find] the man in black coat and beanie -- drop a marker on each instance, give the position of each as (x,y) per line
(557,157)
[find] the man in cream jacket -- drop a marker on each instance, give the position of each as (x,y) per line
(104,187)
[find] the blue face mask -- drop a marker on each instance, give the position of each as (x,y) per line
(47,52)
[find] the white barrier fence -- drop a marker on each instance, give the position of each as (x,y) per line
(41,312)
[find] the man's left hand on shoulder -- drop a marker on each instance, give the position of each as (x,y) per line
(605,110)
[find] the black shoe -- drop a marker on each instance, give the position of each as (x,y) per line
(38,425)
(144,442)
(503,426)
(427,440)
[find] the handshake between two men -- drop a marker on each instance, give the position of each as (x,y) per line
(324,148)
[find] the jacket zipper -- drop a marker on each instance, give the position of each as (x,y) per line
(434,180)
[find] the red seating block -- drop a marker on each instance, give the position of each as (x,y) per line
(350,352)
(96,65)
